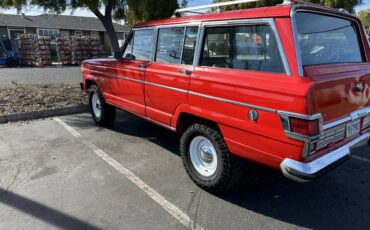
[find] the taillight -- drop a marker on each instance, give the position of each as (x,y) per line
(304,127)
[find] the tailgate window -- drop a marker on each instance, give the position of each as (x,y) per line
(327,39)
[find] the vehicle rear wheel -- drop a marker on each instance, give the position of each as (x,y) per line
(102,113)
(207,159)
(12,62)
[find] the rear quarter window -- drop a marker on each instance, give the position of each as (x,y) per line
(246,47)
(325,39)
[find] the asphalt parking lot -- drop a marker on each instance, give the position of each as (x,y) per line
(46,75)
(67,173)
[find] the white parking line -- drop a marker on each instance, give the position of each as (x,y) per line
(361,158)
(159,199)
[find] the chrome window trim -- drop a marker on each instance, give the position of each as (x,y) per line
(178,25)
(317,10)
(182,25)
(156,44)
(139,29)
(198,50)
(268,21)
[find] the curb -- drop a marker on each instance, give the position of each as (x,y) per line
(43,114)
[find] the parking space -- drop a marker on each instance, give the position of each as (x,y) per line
(69,173)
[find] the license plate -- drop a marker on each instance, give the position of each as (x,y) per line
(353,128)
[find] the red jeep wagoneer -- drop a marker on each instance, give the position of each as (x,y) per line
(285,86)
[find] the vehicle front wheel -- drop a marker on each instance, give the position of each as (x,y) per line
(207,159)
(102,113)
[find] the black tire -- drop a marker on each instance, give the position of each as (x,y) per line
(12,62)
(107,112)
(229,170)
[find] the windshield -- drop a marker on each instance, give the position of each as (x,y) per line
(327,39)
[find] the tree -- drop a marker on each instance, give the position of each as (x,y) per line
(349,5)
(364,16)
(6,4)
(106,10)
(148,10)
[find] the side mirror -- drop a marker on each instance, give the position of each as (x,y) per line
(117,55)
(130,57)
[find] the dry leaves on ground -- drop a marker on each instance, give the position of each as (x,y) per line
(28,98)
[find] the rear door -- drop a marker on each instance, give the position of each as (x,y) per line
(333,55)
(167,78)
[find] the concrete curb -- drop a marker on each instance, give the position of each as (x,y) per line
(43,114)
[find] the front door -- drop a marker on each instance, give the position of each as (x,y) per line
(167,78)
(128,85)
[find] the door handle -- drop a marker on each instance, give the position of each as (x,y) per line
(185,71)
(144,66)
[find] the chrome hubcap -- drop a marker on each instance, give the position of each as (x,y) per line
(96,105)
(203,156)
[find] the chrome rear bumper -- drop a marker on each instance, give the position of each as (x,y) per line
(303,172)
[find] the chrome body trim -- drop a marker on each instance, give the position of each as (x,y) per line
(303,172)
(233,102)
(353,116)
(166,87)
(284,117)
(319,10)
(114,75)
(301,116)
(185,91)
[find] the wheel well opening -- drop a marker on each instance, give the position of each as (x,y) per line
(185,120)
(89,83)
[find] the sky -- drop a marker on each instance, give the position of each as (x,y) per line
(87,13)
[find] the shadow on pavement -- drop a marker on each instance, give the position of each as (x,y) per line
(338,200)
(42,212)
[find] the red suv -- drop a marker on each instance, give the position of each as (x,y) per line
(285,86)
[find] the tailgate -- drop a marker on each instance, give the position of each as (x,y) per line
(340,89)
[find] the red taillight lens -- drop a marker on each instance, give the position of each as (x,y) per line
(304,127)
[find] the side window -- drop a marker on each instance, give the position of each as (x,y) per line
(189,46)
(169,46)
(140,45)
(248,47)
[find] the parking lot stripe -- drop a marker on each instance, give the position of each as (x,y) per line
(361,158)
(182,217)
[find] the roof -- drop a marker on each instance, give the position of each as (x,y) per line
(57,22)
(260,12)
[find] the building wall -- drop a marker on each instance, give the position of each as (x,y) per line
(31,30)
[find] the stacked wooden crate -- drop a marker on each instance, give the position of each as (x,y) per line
(80,49)
(94,47)
(26,43)
(64,50)
(42,48)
